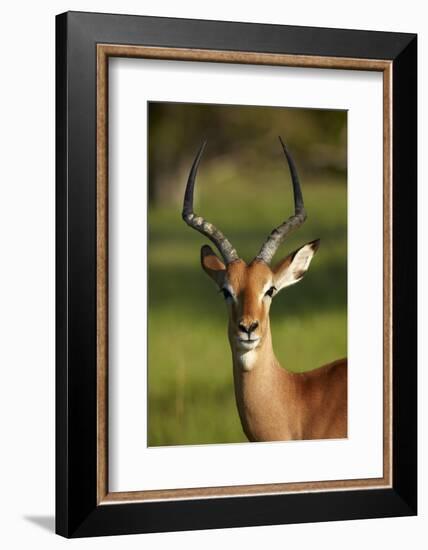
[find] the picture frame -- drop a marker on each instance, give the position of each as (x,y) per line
(84,44)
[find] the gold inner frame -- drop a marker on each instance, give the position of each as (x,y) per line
(104,51)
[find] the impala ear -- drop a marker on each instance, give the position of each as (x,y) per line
(212,265)
(292,268)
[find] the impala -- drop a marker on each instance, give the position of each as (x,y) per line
(274,403)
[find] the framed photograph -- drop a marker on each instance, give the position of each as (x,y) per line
(236,274)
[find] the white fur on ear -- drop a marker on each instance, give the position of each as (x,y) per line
(291,270)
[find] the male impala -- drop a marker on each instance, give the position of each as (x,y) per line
(274,403)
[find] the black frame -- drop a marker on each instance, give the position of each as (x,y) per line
(77,513)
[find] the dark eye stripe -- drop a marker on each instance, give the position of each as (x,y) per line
(270,291)
(226,293)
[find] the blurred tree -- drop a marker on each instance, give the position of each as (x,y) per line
(239,135)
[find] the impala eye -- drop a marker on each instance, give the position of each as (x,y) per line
(270,292)
(226,293)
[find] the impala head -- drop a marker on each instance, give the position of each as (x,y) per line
(248,289)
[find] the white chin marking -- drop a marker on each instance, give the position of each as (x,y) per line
(247,359)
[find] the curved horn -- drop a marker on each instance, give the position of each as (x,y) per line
(197,222)
(294,222)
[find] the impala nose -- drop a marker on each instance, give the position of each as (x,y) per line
(248,328)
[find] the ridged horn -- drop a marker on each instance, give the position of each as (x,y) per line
(294,222)
(198,222)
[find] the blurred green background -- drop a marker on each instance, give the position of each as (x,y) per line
(244,188)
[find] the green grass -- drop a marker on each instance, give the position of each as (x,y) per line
(191,395)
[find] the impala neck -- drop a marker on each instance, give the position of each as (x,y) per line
(263,391)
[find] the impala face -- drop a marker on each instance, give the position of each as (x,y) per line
(248,290)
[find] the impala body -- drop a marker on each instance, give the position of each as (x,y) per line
(274,403)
